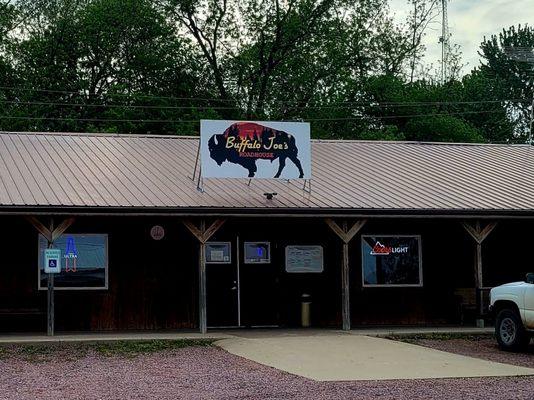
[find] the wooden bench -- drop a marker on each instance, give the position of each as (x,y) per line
(467,301)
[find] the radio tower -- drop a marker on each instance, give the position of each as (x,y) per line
(445,41)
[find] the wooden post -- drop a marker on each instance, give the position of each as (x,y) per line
(203,235)
(50,292)
(479,234)
(346,236)
(203,317)
(51,234)
(50,306)
(345,284)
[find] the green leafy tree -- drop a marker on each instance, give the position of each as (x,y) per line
(508,61)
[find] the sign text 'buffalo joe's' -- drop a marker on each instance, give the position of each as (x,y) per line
(233,149)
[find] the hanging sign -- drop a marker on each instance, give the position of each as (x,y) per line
(234,149)
(52,264)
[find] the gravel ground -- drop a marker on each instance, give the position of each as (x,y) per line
(211,373)
(482,347)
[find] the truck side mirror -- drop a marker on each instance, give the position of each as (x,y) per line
(530,277)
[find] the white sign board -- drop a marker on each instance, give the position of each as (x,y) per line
(52,264)
(241,149)
(304,259)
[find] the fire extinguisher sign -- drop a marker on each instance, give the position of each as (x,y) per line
(52,264)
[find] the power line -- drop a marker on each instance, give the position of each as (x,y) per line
(332,104)
(157,107)
(150,107)
(112,94)
(170,121)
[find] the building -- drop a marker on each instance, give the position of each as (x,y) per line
(386,233)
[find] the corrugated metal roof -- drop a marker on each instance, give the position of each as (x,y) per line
(147,172)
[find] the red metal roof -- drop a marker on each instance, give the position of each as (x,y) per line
(148,172)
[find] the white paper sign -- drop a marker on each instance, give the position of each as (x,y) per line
(304,259)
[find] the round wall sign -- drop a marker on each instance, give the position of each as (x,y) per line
(157,232)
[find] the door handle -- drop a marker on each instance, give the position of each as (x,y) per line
(235,286)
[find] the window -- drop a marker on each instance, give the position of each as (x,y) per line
(391,260)
(84,262)
(218,253)
(257,252)
(304,259)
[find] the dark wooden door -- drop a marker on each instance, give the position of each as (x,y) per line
(260,293)
(222,295)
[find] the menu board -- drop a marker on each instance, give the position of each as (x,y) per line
(304,259)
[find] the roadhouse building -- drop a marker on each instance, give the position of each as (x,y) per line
(386,233)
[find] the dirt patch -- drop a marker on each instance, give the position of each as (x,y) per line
(485,348)
(69,351)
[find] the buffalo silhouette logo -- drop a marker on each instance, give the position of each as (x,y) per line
(243,143)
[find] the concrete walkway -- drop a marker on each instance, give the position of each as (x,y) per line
(107,337)
(336,356)
(227,333)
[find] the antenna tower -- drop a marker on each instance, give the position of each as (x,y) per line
(445,41)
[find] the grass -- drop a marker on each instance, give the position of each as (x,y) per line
(416,338)
(74,350)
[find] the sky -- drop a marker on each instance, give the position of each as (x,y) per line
(469,22)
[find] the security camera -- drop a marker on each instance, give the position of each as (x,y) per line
(270,196)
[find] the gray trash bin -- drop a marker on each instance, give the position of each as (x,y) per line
(305,310)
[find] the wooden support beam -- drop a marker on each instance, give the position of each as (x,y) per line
(51,234)
(214,227)
(43,230)
(61,228)
(479,234)
(202,235)
(346,236)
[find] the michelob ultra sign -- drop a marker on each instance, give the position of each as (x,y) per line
(237,149)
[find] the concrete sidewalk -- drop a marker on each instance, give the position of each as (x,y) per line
(107,337)
(230,333)
(348,357)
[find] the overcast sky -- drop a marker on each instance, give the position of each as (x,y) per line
(470,21)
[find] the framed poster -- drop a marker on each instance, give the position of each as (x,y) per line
(83,262)
(257,252)
(218,253)
(304,259)
(262,149)
(391,260)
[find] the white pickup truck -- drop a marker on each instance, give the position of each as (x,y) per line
(513,307)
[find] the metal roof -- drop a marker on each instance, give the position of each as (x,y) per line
(97,171)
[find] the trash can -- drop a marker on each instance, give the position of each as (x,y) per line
(305,305)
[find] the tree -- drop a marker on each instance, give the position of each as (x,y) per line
(513,76)
(99,60)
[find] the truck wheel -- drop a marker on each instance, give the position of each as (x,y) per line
(509,330)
